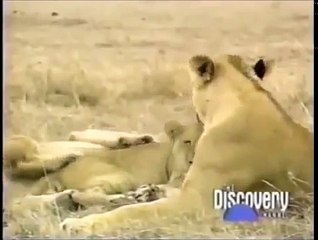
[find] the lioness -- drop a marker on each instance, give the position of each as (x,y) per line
(121,170)
(248,140)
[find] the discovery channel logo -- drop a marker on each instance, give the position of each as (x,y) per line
(250,206)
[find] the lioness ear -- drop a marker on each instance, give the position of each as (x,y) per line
(206,68)
(173,129)
(203,67)
(263,68)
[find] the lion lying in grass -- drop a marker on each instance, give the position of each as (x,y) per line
(26,158)
(248,141)
(118,171)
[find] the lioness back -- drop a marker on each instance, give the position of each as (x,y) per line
(249,129)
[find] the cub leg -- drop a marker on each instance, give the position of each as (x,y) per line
(119,182)
(39,167)
(96,196)
(110,139)
(46,185)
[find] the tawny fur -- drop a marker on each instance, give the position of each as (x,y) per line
(247,139)
(121,170)
(111,139)
(26,158)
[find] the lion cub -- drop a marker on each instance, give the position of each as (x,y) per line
(26,158)
(122,170)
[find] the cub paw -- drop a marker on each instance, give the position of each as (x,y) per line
(86,200)
(147,193)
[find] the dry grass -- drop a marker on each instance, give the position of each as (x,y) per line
(121,65)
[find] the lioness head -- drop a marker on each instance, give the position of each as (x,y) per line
(224,80)
(184,139)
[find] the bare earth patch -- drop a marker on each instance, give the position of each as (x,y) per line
(121,65)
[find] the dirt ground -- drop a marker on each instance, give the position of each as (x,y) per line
(122,65)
